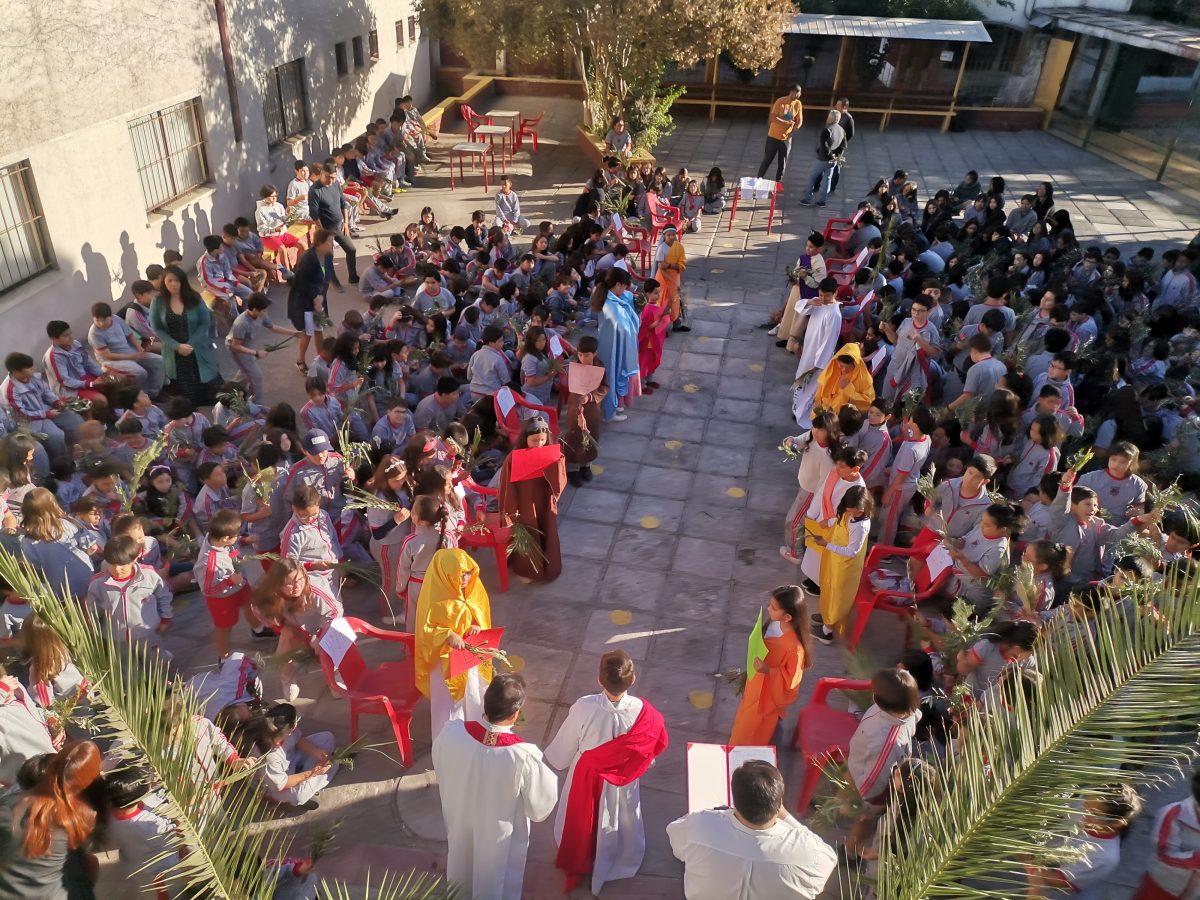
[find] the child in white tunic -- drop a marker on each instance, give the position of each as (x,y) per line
(295,768)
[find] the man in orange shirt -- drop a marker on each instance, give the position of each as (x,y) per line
(787,115)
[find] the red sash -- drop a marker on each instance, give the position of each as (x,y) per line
(492,738)
(620,761)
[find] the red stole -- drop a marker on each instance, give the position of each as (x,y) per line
(620,762)
(492,738)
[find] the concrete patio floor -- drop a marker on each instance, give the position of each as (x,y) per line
(669,553)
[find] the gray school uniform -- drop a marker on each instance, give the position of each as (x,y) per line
(987,553)
(216,570)
(1116,495)
(425,302)
(431,414)
(23,733)
(249,331)
(312,543)
(327,418)
(132,608)
(1034,462)
(960,514)
(991,664)
(65,566)
(263,532)
(1071,426)
(1090,541)
(975,315)
(488,371)
(397,436)
(533,366)
(877,444)
(983,377)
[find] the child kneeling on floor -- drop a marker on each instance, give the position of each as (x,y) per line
(295,768)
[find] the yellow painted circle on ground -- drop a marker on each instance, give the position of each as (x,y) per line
(515,663)
(597,470)
(735,492)
(649,521)
(703,338)
(620,617)
(756,367)
(717,271)
(691,388)
(701,699)
(673,445)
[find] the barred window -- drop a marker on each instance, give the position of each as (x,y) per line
(399,32)
(373,45)
(412,29)
(24,243)
(356,44)
(340,58)
(285,102)
(169,148)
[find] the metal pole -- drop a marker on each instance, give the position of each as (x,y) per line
(235,107)
(962,71)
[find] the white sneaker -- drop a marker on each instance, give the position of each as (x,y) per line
(291,691)
(619,417)
(774,331)
(789,556)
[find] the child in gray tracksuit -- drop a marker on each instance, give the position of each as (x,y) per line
(226,592)
(309,537)
(23,732)
(130,597)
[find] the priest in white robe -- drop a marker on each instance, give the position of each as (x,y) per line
(492,785)
(608,739)
(755,851)
(820,343)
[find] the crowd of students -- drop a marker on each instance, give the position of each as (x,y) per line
(944,383)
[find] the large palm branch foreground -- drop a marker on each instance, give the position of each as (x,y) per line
(150,722)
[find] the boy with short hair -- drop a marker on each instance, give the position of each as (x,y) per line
(226,592)
(137,315)
(120,352)
(130,597)
(248,248)
(140,834)
(29,401)
(489,368)
(70,370)
(245,332)
(508,207)
(905,470)
(309,537)
(215,271)
(218,448)
(322,410)
(1058,374)
(985,372)
(394,428)
(213,495)
(873,438)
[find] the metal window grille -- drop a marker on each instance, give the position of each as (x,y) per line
(399,32)
(373,44)
(412,29)
(168,146)
(24,242)
(285,102)
(360,58)
(339,55)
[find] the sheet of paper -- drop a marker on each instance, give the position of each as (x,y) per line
(336,640)
(747,752)
(556,346)
(505,400)
(938,561)
(707,776)
(462,660)
(584,379)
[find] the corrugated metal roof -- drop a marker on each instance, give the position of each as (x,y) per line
(898,29)
(1137,31)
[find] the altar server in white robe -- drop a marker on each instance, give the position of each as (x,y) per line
(492,784)
(608,740)
(820,343)
(755,851)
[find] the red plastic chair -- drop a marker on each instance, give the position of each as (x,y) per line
(842,270)
(494,535)
(857,323)
(661,215)
(823,734)
(511,422)
(529,128)
(869,598)
(838,231)
(472,118)
(638,241)
(387,690)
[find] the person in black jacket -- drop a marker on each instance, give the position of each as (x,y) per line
(307,295)
(327,204)
(847,123)
(830,148)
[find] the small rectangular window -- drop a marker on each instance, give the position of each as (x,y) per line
(373,45)
(169,147)
(285,102)
(399,32)
(24,242)
(360,58)
(412,29)
(343,62)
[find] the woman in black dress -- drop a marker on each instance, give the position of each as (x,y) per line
(307,297)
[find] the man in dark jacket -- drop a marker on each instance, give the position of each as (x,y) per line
(830,147)
(847,123)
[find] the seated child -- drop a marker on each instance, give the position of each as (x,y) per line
(295,768)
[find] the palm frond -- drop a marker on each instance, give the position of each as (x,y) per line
(393,886)
(151,723)
(968,411)
(346,756)
(1079,459)
(925,484)
(235,402)
(526,541)
(1011,783)
(324,839)
(912,400)
(279,345)
(802,382)
(357,498)
(142,461)
(735,678)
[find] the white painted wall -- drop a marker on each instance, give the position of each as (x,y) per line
(1022,10)
(71,80)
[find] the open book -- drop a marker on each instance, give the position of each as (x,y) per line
(710,768)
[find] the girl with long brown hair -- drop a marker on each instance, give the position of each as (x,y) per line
(52,675)
(431,532)
(389,528)
(51,544)
(297,608)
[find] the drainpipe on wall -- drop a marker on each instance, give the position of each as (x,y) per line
(235,107)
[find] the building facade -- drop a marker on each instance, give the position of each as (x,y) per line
(127,129)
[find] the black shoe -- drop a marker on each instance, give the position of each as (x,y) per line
(679,327)
(817,619)
(821,206)
(262,634)
(811,586)
(781,343)
(819,632)
(585,472)
(387,216)
(766,325)
(575,479)
(310,806)
(806,203)
(653,384)
(353,279)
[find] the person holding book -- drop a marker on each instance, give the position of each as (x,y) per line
(608,741)
(775,682)
(529,497)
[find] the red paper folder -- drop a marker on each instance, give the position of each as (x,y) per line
(533,461)
(462,660)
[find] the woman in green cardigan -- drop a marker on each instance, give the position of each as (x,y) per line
(184,324)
